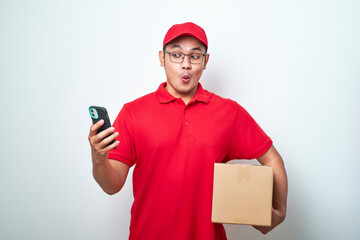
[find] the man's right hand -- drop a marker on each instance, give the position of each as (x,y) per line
(99,142)
(108,173)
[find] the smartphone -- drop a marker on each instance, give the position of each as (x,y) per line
(97,113)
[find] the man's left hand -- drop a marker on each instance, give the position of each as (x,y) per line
(277,217)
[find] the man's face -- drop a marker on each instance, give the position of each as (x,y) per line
(183,78)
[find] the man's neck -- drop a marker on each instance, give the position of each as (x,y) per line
(185,97)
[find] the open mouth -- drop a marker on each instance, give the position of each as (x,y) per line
(185,78)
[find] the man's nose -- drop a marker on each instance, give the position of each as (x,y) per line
(186,64)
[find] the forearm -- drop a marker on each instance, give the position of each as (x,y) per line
(107,177)
(280,188)
(273,158)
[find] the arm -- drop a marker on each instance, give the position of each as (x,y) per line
(273,158)
(109,174)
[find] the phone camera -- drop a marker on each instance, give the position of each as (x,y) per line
(94,113)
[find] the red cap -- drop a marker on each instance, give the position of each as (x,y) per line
(185,29)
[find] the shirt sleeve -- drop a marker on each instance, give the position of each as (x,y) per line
(125,151)
(249,141)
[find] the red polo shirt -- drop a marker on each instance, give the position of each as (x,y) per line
(174,147)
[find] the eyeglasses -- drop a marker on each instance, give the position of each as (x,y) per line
(178,57)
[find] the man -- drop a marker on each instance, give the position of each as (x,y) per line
(174,136)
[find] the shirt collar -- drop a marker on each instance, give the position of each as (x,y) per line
(164,96)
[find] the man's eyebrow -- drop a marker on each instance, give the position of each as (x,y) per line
(196,48)
(193,49)
(176,46)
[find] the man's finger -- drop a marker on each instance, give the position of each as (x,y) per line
(112,146)
(103,134)
(95,127)
(108,139)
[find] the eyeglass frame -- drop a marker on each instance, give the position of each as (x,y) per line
(203,54)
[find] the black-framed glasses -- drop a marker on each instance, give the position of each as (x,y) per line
(178,57)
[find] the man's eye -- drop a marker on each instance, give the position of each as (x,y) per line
(195,56)
(176,55)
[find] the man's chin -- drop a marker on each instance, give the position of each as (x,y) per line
(185,90)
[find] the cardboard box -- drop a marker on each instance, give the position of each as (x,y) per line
(242,194)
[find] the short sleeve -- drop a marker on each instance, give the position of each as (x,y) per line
(249,141)
(125,151)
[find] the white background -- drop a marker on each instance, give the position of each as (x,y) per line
(294,65)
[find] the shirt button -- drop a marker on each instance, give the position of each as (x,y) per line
(186,123)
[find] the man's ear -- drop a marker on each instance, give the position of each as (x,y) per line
(161,58)
(206,60)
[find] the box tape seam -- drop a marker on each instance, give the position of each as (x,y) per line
(244,173)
